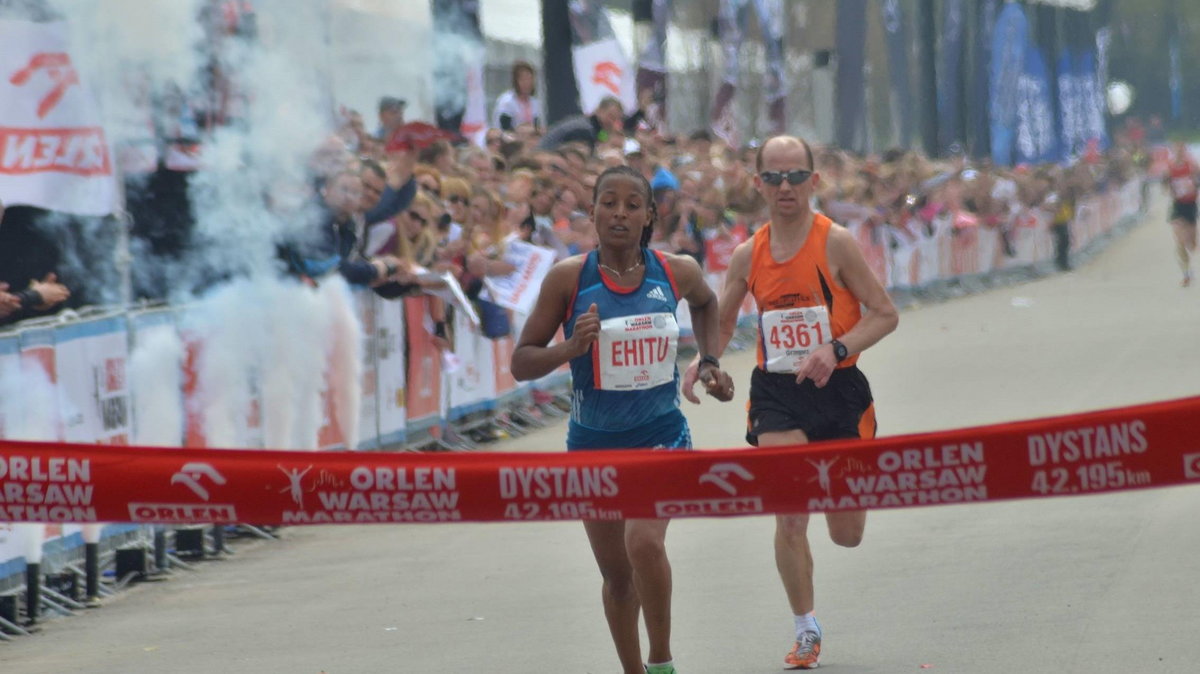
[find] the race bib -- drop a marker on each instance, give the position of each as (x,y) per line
(636,352)
(789,335)
(1183,187)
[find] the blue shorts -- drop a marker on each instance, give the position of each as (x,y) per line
(669,431)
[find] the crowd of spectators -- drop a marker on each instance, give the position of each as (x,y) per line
(404,203)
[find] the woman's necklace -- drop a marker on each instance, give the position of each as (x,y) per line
(614,271)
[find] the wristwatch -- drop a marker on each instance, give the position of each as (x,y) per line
(710,360)
(839,350)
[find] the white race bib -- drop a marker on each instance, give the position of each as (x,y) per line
(636,352)
(789,335)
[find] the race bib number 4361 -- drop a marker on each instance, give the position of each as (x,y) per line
(636,352)
(791,334)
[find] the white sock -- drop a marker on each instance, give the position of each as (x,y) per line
(660,664)
(806,623)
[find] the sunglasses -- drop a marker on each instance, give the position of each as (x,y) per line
(776,178)
(418,217)
(455,199)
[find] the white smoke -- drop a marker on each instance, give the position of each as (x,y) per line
(29,407)
(156,385)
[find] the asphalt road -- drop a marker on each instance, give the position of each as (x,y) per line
(1085,584)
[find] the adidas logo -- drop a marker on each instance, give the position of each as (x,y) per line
(656,293)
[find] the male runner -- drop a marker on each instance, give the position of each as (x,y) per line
(809,279)
(1182,177)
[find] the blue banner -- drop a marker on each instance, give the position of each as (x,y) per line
(898,73)
(985,28)
(1036,142)
(954,25)
(1010,39)
(850,41)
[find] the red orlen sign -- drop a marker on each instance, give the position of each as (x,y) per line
(79,151)
(58,68)
(608,75)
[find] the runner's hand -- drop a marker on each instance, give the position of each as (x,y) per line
(817,366)
(587,330)
(690,376)
(717,383)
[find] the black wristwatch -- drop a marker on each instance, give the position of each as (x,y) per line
(711,360)
(839,350)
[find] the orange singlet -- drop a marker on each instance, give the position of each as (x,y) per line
(801,305)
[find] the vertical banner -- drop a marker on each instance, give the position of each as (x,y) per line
(458,65)
(772,23)
(1175,77)
(54,153)
(1035,137)
(950,76)
(1010,38)
(851,36)
(652,62)
(392,371)
(601,68)
(977,100)
(896,32)
(730,16)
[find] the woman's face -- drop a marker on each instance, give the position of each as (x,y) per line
(621,211)
(481,210)
(415,219)
(458,207)
(524,82)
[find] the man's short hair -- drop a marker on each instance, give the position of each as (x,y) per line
(391,103)
(758,156)
(609,101)
(374,167)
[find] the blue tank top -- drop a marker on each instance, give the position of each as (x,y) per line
(605,410)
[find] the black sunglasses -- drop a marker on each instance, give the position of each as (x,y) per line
(455,199)
(776,178)
(417,216)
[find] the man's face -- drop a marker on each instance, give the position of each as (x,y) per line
(372,189)
(786,199)
(390,118)
(343,195)
(610,116)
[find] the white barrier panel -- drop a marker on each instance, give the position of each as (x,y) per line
(91,360)
(472,384)
(368,418)
(389,333)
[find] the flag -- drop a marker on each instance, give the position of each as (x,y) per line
(53,150)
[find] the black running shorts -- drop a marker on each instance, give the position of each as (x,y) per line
(843,409)
(1184,210)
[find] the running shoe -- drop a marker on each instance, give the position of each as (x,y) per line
(805,652)
(668,668)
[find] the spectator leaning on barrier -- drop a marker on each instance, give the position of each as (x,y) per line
(595,128)
(332,246)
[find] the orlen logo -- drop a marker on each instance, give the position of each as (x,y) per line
(642,376)
(1191,466)
(608,74)
(720,473)
(639,323)
(192,473)
(58,68)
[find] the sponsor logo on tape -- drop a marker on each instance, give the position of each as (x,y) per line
(191,475)
(1191,466)
(719,475)
(182,513)
(714,506)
